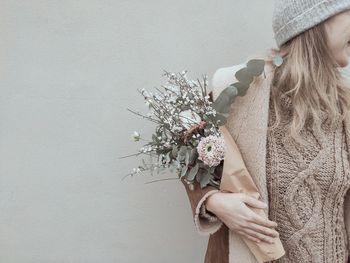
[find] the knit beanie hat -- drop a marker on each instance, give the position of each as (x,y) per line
(292,17)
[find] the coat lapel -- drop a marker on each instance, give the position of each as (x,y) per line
(248,126)
(247,123)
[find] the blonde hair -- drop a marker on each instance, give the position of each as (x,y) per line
(311,79)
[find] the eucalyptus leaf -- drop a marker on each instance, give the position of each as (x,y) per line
(221,119)
(174,151)
(167,157)
(193,155)
(187,158)
(183,150)
(241,88)
(255,66)
(184,170)
(192,173)
(180,158)
(204,179)
(244,76)
(160,160)
(178,165)
(224,100)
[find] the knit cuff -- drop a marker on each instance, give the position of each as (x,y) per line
(206,226)
(207,214)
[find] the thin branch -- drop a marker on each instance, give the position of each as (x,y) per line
(135,154)
(205,86)
(144,116)
(161,180)
(200,85)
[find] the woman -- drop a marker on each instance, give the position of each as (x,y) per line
(293,129)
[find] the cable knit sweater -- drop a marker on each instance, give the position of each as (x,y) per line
(306,188)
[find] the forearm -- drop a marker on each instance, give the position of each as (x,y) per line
(197,198)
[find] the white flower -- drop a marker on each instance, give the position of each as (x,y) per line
(145,93)
(175,89)
(135,136)
(136,170)
(211,150)
(189,118)
(158,96)
(172,98)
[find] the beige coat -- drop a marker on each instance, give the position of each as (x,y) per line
(247,124)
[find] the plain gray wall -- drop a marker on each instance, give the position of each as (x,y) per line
(69,71)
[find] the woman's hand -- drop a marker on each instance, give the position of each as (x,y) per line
(231,208)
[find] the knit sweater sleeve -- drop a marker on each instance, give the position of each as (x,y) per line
(197,198)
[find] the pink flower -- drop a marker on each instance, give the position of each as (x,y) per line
(211,150)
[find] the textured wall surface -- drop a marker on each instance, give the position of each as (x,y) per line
(68,72)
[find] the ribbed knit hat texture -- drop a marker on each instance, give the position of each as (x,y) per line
(292,17)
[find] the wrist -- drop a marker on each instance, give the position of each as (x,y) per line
(210,202)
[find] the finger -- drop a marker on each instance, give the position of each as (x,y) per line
(257,219)
(253,201)
(264,230)
(249,236)
(258,235)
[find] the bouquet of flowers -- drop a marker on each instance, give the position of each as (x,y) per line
(191,137)
(187,136)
